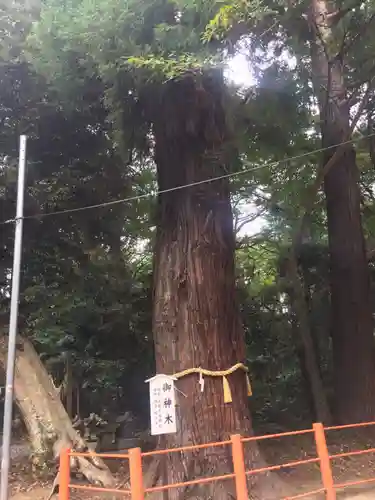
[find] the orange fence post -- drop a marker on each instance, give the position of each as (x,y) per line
(325,463)
(239,467)
(136,475)
(64,474)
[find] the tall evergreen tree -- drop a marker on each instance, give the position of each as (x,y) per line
(160,85)
(323,38)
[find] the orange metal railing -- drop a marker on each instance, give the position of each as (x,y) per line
(138,491)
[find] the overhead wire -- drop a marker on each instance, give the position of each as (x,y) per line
(189,185)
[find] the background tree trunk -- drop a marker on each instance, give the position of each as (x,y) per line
(49,426)
(298,300)
(195,315)
(352,323)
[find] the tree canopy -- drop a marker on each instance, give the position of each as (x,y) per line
(85,81)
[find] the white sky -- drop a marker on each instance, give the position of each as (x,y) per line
(239,72)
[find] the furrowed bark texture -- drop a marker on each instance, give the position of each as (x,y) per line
(195,317)
(352,322)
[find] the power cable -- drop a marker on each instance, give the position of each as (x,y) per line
(192,184)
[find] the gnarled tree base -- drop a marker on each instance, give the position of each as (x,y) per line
(49,426)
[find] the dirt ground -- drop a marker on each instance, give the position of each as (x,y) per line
(25,486)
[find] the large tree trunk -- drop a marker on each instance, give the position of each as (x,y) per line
(352,324)
(195,316)
(49,426)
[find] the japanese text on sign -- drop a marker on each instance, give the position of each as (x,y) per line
(162,405)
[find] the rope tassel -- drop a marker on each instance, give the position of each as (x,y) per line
(249,389)
(227,391)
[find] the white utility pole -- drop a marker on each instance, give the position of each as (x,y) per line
(16,274)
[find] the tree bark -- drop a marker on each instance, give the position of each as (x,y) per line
(298,301)
(352,323)
(195,315)
(49,426)
(69,385)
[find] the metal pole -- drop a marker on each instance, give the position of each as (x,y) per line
(8,406)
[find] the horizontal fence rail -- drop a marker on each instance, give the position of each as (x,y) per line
(138,491)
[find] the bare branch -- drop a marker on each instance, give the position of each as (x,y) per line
(242,221)
(361,106)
